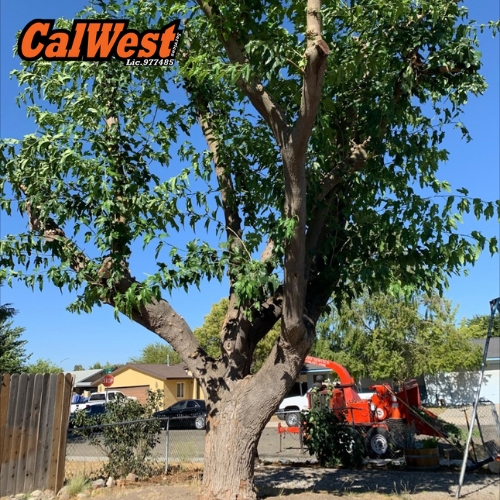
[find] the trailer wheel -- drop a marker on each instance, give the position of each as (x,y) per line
(377,442)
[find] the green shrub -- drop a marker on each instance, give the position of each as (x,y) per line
(429,443)
(331,439)
(128,446)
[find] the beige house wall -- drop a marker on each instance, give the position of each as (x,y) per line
(134,378)
(171,390)
(131,377)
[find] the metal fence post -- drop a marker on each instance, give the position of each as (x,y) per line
(166,446)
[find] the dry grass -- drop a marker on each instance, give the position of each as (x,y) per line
(85,468)
(77,484)
(179,473)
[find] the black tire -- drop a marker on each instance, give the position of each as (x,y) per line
(199,422)
(377,442)
(292,419)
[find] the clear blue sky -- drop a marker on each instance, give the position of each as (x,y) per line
(69,339)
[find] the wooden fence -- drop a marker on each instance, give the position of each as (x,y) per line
(34,413)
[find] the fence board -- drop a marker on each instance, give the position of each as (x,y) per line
(47,416)
(61,457)
(15,430)
(34,411)
(25,425)
(57,424)
(4,450)
(29,480)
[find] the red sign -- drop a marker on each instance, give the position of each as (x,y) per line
(107,380)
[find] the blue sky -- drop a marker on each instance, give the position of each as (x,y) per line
(68,339)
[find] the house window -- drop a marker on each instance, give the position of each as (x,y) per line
(180,390)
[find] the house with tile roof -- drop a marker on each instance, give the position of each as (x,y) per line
(176,382)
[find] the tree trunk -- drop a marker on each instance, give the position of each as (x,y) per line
(230,452)
(238,412)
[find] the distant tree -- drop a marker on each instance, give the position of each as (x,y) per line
(96,366)
(208,335)
(477,326)
(43,366)
(106,366)
(381,336)
(13,356)
(77,368)
(157,353)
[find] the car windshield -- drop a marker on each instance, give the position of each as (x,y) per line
(178,406)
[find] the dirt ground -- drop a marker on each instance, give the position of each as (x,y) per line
(303,483)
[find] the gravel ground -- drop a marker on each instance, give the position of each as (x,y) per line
(309,483)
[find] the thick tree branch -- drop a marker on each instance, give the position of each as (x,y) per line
(226,188)
(264,319)
(157,316)
(296,329)
(51,232)
(263,102)
(316,55)
(355,163)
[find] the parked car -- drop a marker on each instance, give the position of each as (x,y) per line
(98,398)
(184,414)
(96,410)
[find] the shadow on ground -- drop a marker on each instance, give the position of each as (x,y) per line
(286,480)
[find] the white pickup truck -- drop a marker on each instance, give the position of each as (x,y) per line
(290,408)
(99,398)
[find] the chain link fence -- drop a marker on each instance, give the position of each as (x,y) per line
(179,444)
(485,435)
(175,441)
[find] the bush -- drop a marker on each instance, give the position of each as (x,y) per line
(129,443)
(430,443)
(331,439)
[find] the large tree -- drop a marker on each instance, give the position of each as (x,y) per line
(157,353)
(382,336)
(42,365)
(13,355)
(477,326)
(324,127)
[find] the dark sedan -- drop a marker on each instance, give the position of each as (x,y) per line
(184,414)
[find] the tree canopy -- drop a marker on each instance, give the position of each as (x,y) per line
(42,365)
(324,128)
(157,353)
(13,355)
(106,366)
(477,326)
(382,336)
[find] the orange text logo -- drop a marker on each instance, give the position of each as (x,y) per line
(97,41)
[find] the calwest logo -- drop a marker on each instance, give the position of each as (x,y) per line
(98,40)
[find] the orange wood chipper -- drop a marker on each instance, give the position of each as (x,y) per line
(382,417)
